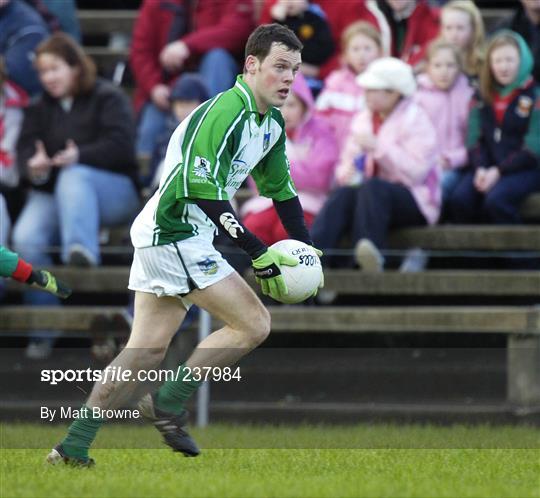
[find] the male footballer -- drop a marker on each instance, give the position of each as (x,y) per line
(237,133)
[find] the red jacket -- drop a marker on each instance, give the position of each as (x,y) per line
(340,14)
(216,24)
(422,27)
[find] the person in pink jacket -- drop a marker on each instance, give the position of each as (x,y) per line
(342,97)
(312,151)
(445,93)
(388,174)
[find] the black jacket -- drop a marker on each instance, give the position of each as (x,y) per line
(100,122)
(314,32)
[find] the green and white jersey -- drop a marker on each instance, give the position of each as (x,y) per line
(209,156)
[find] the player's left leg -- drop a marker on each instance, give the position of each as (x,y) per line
(247,324)
(155,322)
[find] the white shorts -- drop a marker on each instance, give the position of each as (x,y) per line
(178,268)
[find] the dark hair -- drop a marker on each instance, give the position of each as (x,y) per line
(65,47)
(260,41)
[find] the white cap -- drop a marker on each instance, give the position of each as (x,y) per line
(388,73)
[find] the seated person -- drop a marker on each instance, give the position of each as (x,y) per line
(172,37)
(504,137)
(309,23)
(342,97)
(188,92)
(312,152)
(388,175)
(407,27)
(76,148)
(445,93)
(462,25)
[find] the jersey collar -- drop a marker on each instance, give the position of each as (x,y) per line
(245,93)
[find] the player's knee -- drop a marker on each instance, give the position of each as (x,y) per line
(260,327)
(144,358)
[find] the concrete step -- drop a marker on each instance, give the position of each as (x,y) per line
(114,279)
(306,319)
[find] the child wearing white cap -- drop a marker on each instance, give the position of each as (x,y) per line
(388,174)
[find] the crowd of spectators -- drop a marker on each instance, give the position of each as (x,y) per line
(403,115)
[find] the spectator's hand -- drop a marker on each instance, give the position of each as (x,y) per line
(39,165)
(40,160)
(173,56)
(367,141)
(478,179)
(67,156)
(445,163)
(268,273)
(490,178)
(346,175)
(160,96)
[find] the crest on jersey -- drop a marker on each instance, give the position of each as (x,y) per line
(524,106)
(208,266)
(201,167)
(266,141)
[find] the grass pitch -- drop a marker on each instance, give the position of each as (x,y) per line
(387,461)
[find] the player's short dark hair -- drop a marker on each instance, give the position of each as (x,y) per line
(260,41)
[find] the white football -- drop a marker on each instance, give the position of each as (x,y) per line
(304,278)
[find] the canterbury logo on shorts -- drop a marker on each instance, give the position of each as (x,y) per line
(231,224)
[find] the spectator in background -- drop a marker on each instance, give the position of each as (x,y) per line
(312,152)
(12,102)
(444,92)
(406,26)
(342,97)
(462,25)
(504,137)
(308,21)
(177,36)
(339,16)
(526,22)
(388,174)
(5,225)
(21,30)
(77,149)
(60,15)
(188,92)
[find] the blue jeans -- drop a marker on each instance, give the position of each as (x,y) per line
(450,180)
(84,199)
(218,68)
(499,206)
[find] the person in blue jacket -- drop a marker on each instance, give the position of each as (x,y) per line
(21,30)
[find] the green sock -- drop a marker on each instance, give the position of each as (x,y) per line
(81,434)
(172,395)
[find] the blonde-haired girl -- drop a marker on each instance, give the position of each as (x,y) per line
(462,25)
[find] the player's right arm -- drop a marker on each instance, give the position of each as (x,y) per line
(266,261)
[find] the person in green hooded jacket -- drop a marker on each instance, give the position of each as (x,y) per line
(13,266)
(503,137)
